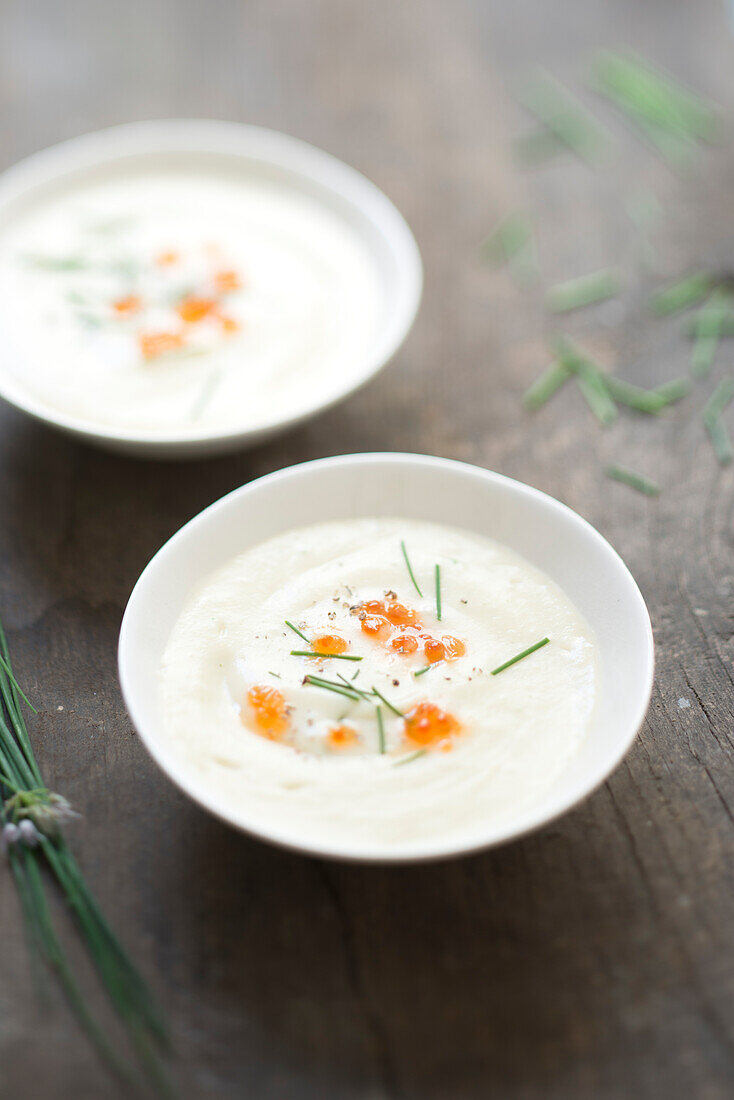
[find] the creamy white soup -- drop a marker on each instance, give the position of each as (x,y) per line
(377,681)
(183,301)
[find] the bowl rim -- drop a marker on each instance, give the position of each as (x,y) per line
(315,167)
(532,821)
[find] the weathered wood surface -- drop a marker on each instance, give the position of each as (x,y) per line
(594,959)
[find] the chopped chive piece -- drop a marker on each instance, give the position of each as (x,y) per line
(635,481)
(421,671)
(708,323)
(634,397)
(722,396)
(720,440)
(596,395)
(682,294)
(674,390)
(652,97)
(715,426)
(380,729)
(298,632)
(57,263)
(564,116)
(356,674)
(519,656)
(543,388)
(511,242)
(276,675)
(387,702)
(583,291)
(410,568)
(438,592)
(692,324)
(408,759)
(325,656)
(331,685)
(589,378)
(352,687)
(536,147)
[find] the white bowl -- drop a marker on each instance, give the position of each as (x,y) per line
(258,152)
(419,487)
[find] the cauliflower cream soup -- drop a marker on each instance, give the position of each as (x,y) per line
(182,299)
(378,680)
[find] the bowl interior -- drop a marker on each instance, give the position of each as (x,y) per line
(546,532)
(252,153)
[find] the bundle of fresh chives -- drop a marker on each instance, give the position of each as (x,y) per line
(32,818)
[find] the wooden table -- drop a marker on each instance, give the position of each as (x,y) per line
(593,960)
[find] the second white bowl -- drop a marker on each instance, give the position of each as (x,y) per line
(544,531)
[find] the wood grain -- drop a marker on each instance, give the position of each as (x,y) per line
(594,959)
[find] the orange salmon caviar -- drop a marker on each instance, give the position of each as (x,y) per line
(129,304)
(340,737)
(400,615)
(226,281)
(376,627)
(228,323)
(193,309)
(404,643)
(329,643)
(426,724)
(453,648)
(165,259)
(433,650)
(153,344)
(270,710)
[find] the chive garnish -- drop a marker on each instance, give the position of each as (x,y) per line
(387,702)
(543,388)
(353,687)
(380,729)
(438,592)
(583,291)
(331,685)
(410,568)
(635,481)
(410,758)
(297,631)
(563,115)
(276,675)
(57,263)
(421,671)
(681,294)
(325,656)
(519,656)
